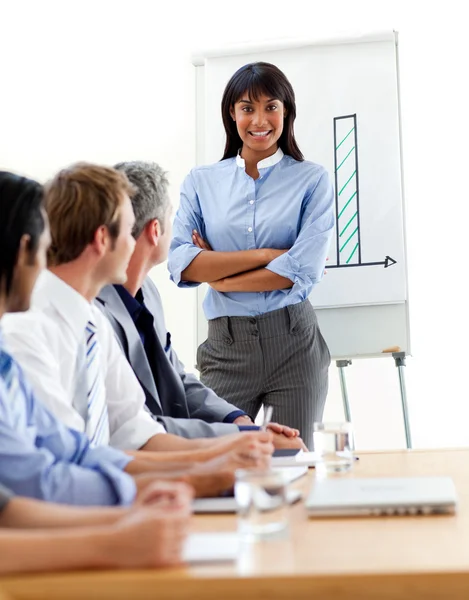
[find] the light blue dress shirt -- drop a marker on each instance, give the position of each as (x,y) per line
(289,206)
(41,458)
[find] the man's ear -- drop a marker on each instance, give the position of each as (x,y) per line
(153,232)
(101,240)
(24,252)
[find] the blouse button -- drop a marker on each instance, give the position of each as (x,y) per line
(250,229)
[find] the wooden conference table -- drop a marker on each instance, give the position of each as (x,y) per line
(361,558)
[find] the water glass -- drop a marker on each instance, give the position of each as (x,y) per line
(261,504)
(333,443)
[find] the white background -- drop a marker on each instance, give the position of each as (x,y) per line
(110,80)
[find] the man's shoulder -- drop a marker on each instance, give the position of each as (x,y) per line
(107,293)
(28,324)
(101,321)
(150,290)
(110,306)
(154,305)
(110,342)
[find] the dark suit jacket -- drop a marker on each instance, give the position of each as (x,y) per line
(195,410)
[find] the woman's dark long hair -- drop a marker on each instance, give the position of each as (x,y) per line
(21,213)
(259,79)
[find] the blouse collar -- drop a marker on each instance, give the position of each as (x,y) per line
(270,161)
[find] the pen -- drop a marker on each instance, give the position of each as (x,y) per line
(267,417)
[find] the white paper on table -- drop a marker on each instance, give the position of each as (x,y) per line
(292,471)
(209,547)
(306,459)
(228,504)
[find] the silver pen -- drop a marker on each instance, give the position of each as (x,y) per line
(267,417)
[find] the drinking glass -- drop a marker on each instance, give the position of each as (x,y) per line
(333,443)
(261,504)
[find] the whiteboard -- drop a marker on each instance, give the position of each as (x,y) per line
(348,120)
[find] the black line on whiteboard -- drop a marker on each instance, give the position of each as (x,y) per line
(336,193)
(357,188)
(344,117)
(387,262)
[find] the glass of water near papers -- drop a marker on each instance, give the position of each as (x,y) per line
(333,445)
(262,505)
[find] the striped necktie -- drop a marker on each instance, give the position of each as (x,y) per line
(10,374)
(97,422)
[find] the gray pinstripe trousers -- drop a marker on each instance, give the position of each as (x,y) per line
(278,358)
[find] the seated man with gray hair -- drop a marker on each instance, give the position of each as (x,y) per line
(176,398)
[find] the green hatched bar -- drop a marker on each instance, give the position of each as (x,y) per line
(348,202)
(345,138)
(343,230)
(348,180)
(353,252)
(348,239)
(346,158)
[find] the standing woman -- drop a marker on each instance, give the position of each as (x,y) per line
(257,226)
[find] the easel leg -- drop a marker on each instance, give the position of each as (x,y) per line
(399,358)
(341,364)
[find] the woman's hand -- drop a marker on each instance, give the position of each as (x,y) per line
(199,241)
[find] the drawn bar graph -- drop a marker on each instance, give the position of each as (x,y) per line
(347,197)
(347,192)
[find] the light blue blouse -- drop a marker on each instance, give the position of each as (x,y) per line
(290,206)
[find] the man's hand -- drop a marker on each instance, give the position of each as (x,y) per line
(151,536)
(253,449)
(222,445)
(283,429)
(218,475)
(165,494)
(211,483)
(275,427)
(282,441)
(243,420)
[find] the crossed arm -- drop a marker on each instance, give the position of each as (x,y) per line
(242,271)
(256,270)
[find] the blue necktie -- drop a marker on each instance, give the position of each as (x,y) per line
(97,422)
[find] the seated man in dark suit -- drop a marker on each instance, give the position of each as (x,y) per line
(176,398)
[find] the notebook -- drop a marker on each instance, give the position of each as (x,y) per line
(382,496)
(227,504)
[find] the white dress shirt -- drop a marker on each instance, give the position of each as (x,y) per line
(48,342)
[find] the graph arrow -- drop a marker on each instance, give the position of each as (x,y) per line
(387,262)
